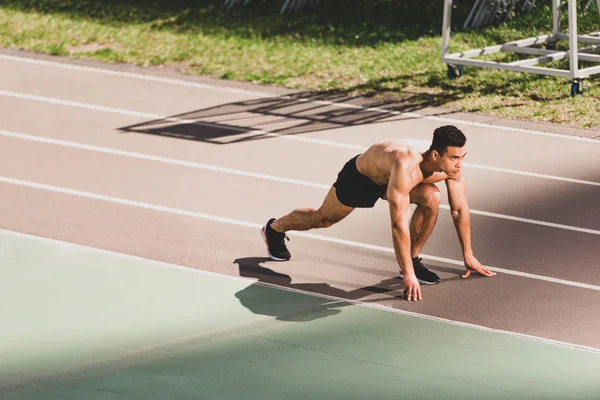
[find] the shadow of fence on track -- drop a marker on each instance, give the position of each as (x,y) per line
(275,116)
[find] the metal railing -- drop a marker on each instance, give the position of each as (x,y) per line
(527,47)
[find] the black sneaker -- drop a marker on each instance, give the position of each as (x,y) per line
(424,275)
(275,241)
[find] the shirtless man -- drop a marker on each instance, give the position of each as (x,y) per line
(400,174)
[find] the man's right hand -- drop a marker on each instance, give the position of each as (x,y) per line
(412,289)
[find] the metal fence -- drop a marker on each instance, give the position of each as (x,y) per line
(492,12)
(483,12)
(288,5)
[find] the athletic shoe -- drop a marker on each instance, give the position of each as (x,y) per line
(275,241)
(424,275)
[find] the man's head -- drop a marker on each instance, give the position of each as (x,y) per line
(447,148)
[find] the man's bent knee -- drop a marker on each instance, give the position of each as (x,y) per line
(325,222)
(433,199)
(427,195)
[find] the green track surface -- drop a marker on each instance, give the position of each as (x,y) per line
(78,323)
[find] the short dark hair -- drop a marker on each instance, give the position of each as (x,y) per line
(445,136)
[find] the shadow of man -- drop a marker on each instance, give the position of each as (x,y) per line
(265,298)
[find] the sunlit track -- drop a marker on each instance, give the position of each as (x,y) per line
(93,107)
(273,178)
(133,202)
(171,210)
(260,94)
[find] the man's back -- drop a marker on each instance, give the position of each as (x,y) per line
(378,161)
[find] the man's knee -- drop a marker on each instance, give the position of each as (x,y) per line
(430,196)
(325,221)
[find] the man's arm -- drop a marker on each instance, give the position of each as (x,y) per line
(459,208)
(398,197)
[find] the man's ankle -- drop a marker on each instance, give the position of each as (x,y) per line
(273,227)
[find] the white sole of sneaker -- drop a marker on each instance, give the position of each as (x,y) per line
(263,233)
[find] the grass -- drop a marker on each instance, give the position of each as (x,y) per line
(382,48)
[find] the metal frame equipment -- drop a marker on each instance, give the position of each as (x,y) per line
(539,55)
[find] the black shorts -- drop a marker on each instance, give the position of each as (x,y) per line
(356,190)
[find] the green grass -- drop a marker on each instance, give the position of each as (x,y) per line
(382,48)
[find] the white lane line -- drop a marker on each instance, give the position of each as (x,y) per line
(318,141)
(120,111)
(144,77)
(77,104)
(112,110)
(177,211)
(164,118)
(257,93)
(530,221)
(214,168)
(304,292)
(166,160)
(531,174)
(265,133)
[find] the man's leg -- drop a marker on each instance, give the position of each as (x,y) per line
(427,198)
(302,219)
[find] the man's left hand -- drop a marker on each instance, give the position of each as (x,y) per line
(475,266)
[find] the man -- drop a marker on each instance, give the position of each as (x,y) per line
(400,174)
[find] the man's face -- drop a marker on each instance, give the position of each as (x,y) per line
(451,161)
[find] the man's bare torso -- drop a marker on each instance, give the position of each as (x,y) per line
(377,162)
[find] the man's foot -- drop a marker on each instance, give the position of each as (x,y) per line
(424,275)
(275,241)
